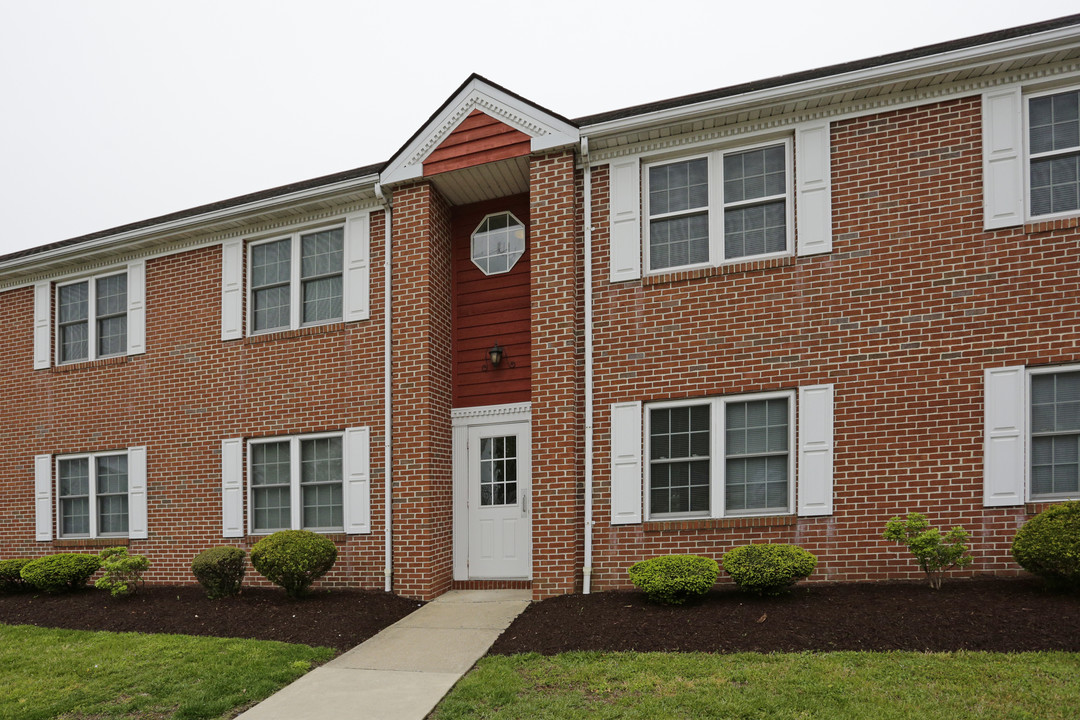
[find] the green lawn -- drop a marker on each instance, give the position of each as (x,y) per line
(46,673)
(836,686)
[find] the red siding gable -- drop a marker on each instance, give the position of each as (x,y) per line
(477,140)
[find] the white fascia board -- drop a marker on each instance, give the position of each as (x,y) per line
(894,72)
(187,224)
(545,130)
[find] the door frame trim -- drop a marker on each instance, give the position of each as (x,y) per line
(461,420)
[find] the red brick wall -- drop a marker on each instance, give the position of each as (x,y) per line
(556,380)
(422,509)
(914,302)
(181,399)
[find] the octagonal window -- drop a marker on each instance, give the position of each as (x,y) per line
(497,243)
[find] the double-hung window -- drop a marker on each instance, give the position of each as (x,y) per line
(297,280)
(720,457)
(724,206)
(92,495)
(296,483)
(91,318)
(1054,153)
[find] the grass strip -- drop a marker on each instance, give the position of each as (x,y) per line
(748,686)
(48,673)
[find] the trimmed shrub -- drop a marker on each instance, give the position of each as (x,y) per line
(674,579)
(122,572)
(1048,545)
(936,553)
(293,559)
(62,572)
(768,568)
(220,570)
(10,579)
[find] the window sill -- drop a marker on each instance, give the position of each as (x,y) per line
(69,367)
(1036,507)
(658,526)
(1035,227)
(663,278)
(299,332)
(102,542)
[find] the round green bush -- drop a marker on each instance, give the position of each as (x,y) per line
(1048,545)
(10,577)
(674,579)
(61,572)
(293,559)
(768,569)
(220,570)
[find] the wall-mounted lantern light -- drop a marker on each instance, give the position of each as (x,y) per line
(495,354)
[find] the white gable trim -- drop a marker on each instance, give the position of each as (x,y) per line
(546,130)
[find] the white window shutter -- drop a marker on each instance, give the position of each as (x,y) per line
(232,487)
(43,506)
(626,463)
(136,309)
(232,290)
(1003,158)
(625,219)
(1005,436)
(813,188)
(137,516)
(357,495)
(357,280)
(815,483)
(42,325)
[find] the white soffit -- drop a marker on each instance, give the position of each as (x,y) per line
(546,130)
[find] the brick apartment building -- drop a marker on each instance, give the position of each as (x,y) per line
(529,351)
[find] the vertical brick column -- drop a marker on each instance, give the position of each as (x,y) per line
(422,511)
(557,501)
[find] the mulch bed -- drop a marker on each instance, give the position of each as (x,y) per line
(994,615)
(339,619)
(1007,615)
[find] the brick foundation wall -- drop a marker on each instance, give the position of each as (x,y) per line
(914,302)
(180,399)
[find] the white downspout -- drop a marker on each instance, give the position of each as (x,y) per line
(388,560)
(587,194)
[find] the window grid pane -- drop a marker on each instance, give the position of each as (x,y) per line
(321,472)
(679,460)
(1055,434)
(111,312)
(755,183)
(678,212)
(321,263)
(73,303)
(270,480)
(498,471)
(270,277)
(756,449)
(74,491)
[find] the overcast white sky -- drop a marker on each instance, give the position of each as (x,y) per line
(114,111)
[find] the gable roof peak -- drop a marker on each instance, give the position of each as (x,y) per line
(545,128)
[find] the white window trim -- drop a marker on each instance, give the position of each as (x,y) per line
(1031,372)
(716,206)
(91,319)
(717,438)
(296,295)
(91,459)
(296,508)
(1026,150)
(524,249)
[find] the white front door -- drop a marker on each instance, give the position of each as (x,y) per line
(498,500)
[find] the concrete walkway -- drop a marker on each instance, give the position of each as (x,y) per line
(404,671)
